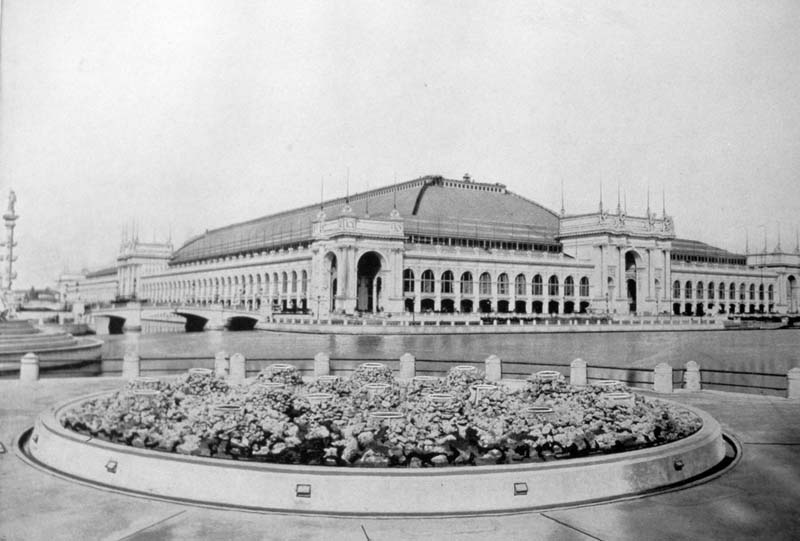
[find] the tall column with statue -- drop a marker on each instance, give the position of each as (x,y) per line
(8,274)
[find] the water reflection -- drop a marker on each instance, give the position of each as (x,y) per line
(767,351)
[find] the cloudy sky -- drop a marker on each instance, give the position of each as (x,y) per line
(187,115)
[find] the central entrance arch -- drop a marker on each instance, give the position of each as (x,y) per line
(369,283)
(632,264)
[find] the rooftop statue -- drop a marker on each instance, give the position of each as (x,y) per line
(12,201)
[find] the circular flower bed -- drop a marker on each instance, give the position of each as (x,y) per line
(371,419)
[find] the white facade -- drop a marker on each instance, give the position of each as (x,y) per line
(350,262)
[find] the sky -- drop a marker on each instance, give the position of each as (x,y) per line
(189,115)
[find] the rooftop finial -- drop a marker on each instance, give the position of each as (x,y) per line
(648,201)
(321,191)
(765,239)
(601,196)
(663,202)
(619,204)
(563,212)
(778,247)
(347,187)
(797,240)
(746,241)
(394,213)
(366,202)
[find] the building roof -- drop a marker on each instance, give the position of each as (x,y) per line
(686,247)
(108,271)
(429,206)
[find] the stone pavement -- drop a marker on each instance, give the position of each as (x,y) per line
(757,499)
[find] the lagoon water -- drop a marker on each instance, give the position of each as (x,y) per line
(774,351)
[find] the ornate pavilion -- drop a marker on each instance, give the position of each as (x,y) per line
(443,245)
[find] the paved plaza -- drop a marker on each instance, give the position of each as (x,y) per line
(756,499)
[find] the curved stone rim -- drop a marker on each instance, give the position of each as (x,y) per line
(444,491)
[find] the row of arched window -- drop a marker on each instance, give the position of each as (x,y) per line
(247,289)
(486,286)
(721,291)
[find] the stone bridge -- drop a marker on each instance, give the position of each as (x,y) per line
(198,318)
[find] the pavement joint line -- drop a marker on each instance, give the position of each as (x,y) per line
(790,443)
(571,527)
(130,535)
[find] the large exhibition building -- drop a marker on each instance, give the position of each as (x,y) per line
(440,245)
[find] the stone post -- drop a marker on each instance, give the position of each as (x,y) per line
(408,367)
(691,378)
(322,364)
(221,365)
(238,368)
(662,378)
(29,367)
(494,368)
(577,373)
(131,366)
(794,382)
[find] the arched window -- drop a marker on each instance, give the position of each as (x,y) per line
(447,282)
(688,290)
(552,286)
(408,281)
(536,285)
(466,283)
(519,285)
(761,292)
(584,287)
(770,293)
(485,284)
(294,281)
(732,291)
(304,281)
(285,280)
(427,281)
(502,284)
(752,292)
(699,290)
(569,287)
(711,290)
(676,290)
(722,291)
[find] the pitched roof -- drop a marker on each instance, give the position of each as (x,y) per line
(429,206)
(696,248)
(107,271)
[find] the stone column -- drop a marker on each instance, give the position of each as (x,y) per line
(494,368)
(407,366)
(691,377)
(417,291)
(621,285)
(793,377)
(221,365)
(495,297)
(456,291)
(322,364)
(437,292)
(131,366)
(238,367)
(577,373)
(662,378)
(29,367)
